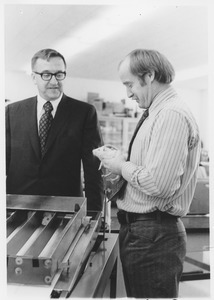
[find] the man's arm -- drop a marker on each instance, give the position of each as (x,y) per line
(92,139)
(161,171)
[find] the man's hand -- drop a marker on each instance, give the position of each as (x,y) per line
(114,164)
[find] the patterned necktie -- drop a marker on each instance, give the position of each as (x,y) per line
(119,187)
(45,124)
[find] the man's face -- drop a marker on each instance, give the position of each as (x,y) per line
(52,89)
(136,89)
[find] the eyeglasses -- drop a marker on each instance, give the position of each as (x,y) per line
(48,76)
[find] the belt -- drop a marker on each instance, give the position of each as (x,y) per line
(125,217)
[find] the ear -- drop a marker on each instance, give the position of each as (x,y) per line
(33,76)
(150,77)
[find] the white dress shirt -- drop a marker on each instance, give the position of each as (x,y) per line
(40,104)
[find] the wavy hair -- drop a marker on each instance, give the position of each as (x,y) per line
(143,61)
(46,54)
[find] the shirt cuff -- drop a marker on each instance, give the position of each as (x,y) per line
(127,170)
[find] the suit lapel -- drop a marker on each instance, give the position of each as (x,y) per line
(59,121)
(31,115)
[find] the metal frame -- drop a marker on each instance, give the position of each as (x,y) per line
(36,241)
(51,242)
(202,273)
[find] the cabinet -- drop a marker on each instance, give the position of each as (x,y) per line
(117,131)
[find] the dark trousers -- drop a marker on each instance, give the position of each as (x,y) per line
(152,253)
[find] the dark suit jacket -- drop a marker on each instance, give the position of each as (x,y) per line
(74,134)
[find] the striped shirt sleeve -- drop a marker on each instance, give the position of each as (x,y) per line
(161,173)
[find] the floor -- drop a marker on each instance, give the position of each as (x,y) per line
(195,289)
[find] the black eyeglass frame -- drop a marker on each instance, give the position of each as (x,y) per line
(51,74)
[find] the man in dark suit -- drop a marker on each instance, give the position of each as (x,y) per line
(48,161)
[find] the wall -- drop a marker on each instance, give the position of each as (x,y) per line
(198,103)
(19,86)
(197,100)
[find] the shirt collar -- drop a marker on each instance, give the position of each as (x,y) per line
(162,96)
(41,101)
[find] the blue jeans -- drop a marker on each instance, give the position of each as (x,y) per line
(152,253)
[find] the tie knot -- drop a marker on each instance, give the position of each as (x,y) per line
(48,106)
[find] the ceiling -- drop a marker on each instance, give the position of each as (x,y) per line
(179,32)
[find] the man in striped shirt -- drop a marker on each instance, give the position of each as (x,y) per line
(161,175)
